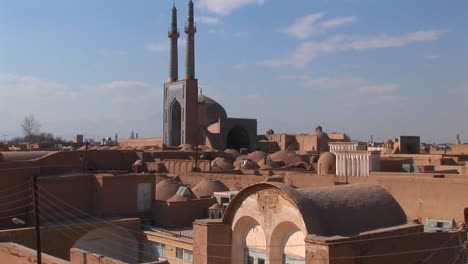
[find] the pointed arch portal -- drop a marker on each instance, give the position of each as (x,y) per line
(238,138)
(176,123)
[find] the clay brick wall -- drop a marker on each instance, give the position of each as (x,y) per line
(183,166)
(418,242)
(14,253)
(118,195)
(57,240)
(232,181)
(180,214)
(75,190)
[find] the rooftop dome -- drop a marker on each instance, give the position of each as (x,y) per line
(232,154)
(247,164)
(257,156)
(206,188)
(165,189)
(223,164)
(366,207)
(326,164)
(214,110)
(215,206)
(289,158)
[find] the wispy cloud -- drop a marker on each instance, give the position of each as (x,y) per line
(359,88)
(313,24)
(378,89)
(209,20)
(225,7)
(307,51)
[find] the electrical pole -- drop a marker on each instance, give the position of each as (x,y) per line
(36,219)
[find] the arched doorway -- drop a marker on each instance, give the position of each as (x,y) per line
(238,138)
(176,123)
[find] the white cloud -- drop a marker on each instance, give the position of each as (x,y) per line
(388,41)
(325,83)
(359,88)
(225,7)
(307,51)
(311,25)
(209,20)
(379,89)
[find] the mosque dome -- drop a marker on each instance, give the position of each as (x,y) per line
(322,138)
(214,110)
(206,188)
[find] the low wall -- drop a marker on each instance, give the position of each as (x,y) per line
(141,142)
(232,181)
(179,214)
(14,253)
(57,240)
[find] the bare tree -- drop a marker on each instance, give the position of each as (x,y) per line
(30,126)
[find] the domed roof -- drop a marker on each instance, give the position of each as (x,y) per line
(257,156)
(178,198)
(326,164)
(247,164)
(366,207)
(215,206)
(223,163)
(214,110)
(206,188)
(327,158)
(232,154)
(165,189)
(138,163)
(289,158)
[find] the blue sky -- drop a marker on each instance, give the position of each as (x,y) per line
(364,67)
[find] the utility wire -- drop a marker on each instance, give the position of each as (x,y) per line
(14,187)
(68,227)
(102,228)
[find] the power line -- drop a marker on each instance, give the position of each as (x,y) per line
(348,257)
(16,186)
(94,226)
(79,235)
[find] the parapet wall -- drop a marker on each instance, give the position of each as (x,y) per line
(15,253)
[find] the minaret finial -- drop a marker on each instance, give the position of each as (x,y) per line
(173,34)
(190,29)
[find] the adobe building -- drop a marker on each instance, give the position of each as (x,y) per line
(191,117)
(275,223)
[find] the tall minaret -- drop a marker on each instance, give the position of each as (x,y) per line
(173,34)
(190,29)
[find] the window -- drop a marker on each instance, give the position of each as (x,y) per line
(155,250)
(185,254)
